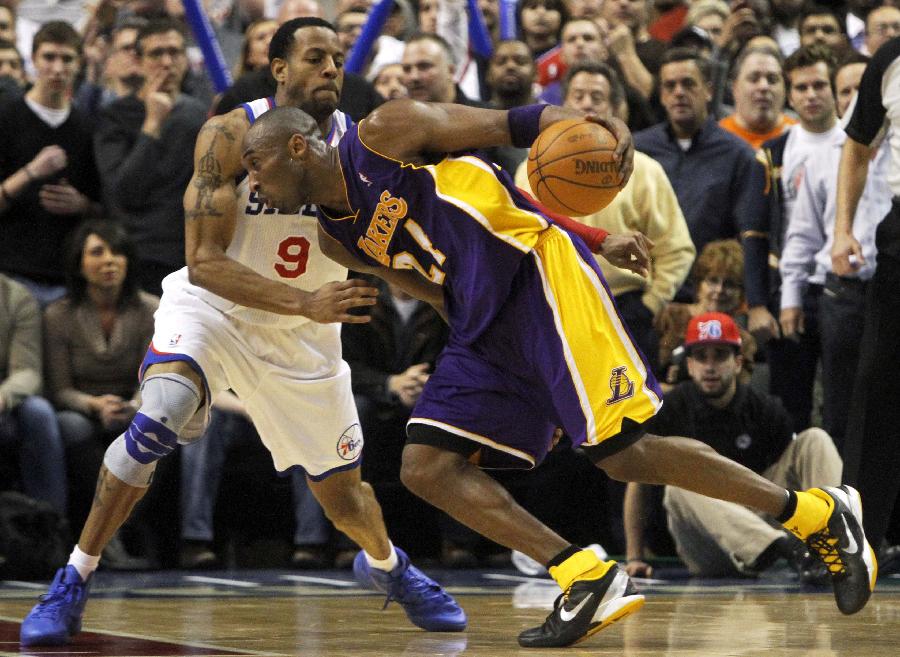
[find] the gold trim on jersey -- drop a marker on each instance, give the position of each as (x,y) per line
(353,216)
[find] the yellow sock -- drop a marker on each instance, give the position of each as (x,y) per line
(812,513)
(581,565)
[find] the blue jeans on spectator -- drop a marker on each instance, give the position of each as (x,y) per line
(201,473)
(32,429)
(43,293)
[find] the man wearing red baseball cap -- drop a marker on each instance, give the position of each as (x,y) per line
(716,538)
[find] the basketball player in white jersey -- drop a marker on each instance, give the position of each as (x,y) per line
(255,311)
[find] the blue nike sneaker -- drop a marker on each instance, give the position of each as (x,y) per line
(426,604)
(57,617)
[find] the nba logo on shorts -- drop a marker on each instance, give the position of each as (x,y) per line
(350,443)
(621,386)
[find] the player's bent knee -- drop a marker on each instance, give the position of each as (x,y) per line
(169,401)
(628,464)
(616,466)
(415,469)
(177,367)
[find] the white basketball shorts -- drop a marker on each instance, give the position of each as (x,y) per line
(293,382)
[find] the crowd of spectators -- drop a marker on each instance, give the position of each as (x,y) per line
(735,109)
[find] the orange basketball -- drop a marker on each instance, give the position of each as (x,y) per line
(571,167)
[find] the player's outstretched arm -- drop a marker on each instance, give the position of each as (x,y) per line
(210,206)
(448,128)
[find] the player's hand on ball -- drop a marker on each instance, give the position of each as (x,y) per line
(333,302)
(624,153)
(628,251)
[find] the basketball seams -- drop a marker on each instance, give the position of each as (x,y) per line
(578,184)
(572,210)
(575,123)
(576,153)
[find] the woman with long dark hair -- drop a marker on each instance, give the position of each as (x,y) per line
(95,339)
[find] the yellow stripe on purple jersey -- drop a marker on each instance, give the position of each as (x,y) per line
(605,365)
(472,185)
(535,340)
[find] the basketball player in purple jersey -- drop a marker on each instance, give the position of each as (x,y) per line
(535,340)
(256,311)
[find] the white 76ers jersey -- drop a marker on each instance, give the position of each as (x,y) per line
(282,247)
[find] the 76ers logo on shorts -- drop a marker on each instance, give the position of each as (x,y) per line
(621,386)
(349,445)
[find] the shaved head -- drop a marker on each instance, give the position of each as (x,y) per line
(275,128)
(279,149)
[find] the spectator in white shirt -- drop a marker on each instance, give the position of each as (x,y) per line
(806,261)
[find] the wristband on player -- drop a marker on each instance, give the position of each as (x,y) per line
(525,124)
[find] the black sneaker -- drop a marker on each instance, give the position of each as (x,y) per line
(584,609)
(843,548)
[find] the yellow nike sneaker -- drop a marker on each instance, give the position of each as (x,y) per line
(843,548)
(584,609)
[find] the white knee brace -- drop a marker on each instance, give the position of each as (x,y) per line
(169,401)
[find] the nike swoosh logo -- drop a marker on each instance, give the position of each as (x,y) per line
(566,616)
(852,546)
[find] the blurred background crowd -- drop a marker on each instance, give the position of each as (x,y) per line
(736,111)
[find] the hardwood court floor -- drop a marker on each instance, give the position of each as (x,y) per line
(325,614)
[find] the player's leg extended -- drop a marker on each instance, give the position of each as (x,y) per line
(175,393)
(828,519)
(351,506)
(447,480)
(171,394)
(602,593)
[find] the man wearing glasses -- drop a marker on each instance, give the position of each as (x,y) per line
(142,156)
(120,74)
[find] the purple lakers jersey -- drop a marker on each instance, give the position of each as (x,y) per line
(460,223)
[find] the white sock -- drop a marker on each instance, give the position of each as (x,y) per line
(386,565)
(85,564)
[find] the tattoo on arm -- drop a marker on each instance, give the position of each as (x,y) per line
(207,179)
(219,130)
